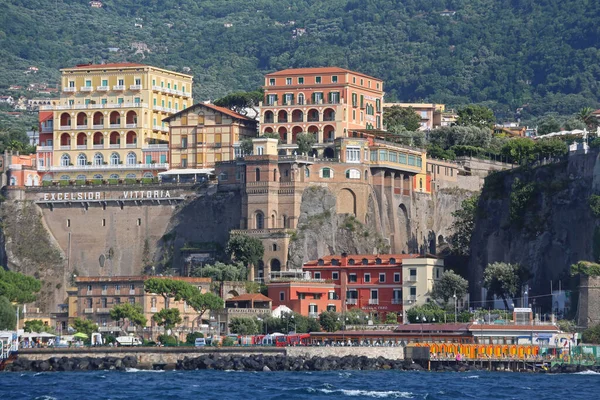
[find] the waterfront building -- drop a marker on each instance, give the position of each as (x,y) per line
(327,102)
(247,305)
(108,122)
(97,295)
(205,134)
(376,284)
(431,114)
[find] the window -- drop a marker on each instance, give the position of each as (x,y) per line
(352,294)
(396,277)
(352,174)
(318,79)
(81,160)
(218,119)
(381,278)
(334,97)
(288,99)
(98,159)
(184,142)
(271,81)
(334,79)
(352,278)
(301,81)
(114,159)
(103,222)
(131,158)
(132,300)
(138,81)
(413,291)
(367,278)
(397,296)
(281,296)
(65,160)
(313,309)
(201,119)
(317,275)
(326,173)
(374,294)
(353,154)
(335,275)
(271,99)
(331,296)
(260,220)
(288,81)
(136,100)
(118,300)
(413,275)
(301,99)
(68,223)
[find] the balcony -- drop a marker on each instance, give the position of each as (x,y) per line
(160,128)
(99,126)
(352,301)
(114,146)
(82,126)
(108,329)
(44,148)
(135,87)
(88,311)
(67,147)
(412,298)
(411,279)
(75,168)
(156,147)
(82,147)
(114,125)
(102,310)
(119,87)
(70,89)
(98,146)
(131,145)
(132,291)
(47,129)
(64,127)
(374,301)
(396,301)
(87,88)
(134,125)
(153,309)
(102,88)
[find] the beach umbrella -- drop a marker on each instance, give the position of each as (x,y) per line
(80,335)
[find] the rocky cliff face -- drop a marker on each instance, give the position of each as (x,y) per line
(539,217)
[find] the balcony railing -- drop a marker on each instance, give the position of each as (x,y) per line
(88,311)
(67,147)
(87,88)
(98,146)
(412,298)
(352,301)
(115,125)
(114,146)
(75,168)
(119,87)
(313,314)
(81,146)
(93,106)
(374,301)
(131,145)
(158,146)
(102,88)
(135,87)
(411,279)
(44,148)
(85,126)
(134,125)
(132,291)
(70,89)
(64,127)
(99,126)
(47,129)
(102,310)
(396,301)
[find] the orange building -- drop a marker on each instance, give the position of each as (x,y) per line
(308,297)
(327,102)
(20,169)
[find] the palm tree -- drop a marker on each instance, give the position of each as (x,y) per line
(586,114)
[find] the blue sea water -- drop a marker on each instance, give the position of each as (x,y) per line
(188,385)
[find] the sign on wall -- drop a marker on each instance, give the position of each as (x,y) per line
(97,196)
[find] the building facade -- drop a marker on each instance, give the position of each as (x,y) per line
(205,134)
(326,102)
(108,122)
(431,114)
(308,297)
(96,296)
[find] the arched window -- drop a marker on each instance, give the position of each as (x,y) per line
(81,160)
(148,175)
(306,172)
(65,160)
(257,171)
(275,175)
(326,172)
(13,181)
(366,174)
(81,177)
(98,176)
(114,176)
(65,178)
(130,176)
(131,158)
(301,99)
(285,221)
(260,220)
(98,159)
(114,159)
(274,246)
(352,174)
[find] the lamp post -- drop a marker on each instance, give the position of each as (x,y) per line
(294,320)
(455,307)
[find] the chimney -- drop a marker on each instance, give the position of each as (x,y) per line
(344,259)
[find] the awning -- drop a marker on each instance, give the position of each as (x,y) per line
(188,171)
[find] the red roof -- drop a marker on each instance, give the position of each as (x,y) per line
(223,110)
(317,70)
(110,65)
(45,116)
(250,297)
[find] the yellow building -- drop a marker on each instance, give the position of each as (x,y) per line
(204,134)
(418,277)
(108,122)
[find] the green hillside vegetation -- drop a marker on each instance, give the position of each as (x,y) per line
(540,55)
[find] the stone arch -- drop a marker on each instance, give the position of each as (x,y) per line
(115,118)
(131,118)
(81,119)
(329,152)
(297,116)
(329,114)
(328,133)
(295,131)
(65,119)
(65,139)
(114,138)
(275,265)
(268,117)
(98,119)
(282,116)
(346,202)
(98,138)
(259,220)
(81,139)
(404,229)
(282,131)
(312,115)
(231,293)
(131,137)
(273,219)
(268,129)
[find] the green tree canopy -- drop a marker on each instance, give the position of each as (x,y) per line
(330,321)
(36,325)
(504,280)
(244,326)
(398,119)
(202,302)
(245,249)
(8,315)
(450,285)
(83,325)
(305,142)
(585,268)
(548,125)
(241,101)
(167,318)
(246,146)
(18,288)
(131,312)
(221,272)
(170,288)
(391,318)
(520,150)
(475,115)
(591,335)
(462,227)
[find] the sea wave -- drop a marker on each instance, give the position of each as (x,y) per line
(471,377)
(143,370)
(368,393)
(45,397)
(586,373)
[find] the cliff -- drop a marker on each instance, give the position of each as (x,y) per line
(539,217)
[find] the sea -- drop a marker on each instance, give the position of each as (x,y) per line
(225,385)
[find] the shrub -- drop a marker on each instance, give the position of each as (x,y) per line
(113,181)
(130,181)
(167,340)
(594,201)
(228,341)
(96,181)
(192,336)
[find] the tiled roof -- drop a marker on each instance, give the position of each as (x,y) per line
(45,116)
(371,258)
(250,297)
(110,65)
(223,110)
(318,70)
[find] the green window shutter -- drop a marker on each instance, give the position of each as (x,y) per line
(329,97)
(292,98)
(313,98)
(362,101)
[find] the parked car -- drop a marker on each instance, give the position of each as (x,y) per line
(128,341)
(200,342)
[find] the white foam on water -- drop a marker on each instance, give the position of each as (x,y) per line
(45,397)
(586,373)
(369,393)
(143,370)
(471,377)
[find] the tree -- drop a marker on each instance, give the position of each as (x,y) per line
(391,318)
(271,135)
(18,288)
(240,102)
(245,249)
(82,325)
(244,326)
(519,150)
(450,285)
(305,142)
(167,318)
(398,119)
(36,325)
(170,288)
(591,335)
(504,280)
(462,227)
(548,125)
(586,115)
(220,272)
(8,315)
(202,302)
(552,147)
(330,321)
(191,337)
(475,115)
(131,312)
(246,146)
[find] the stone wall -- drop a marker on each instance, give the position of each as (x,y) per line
(589,301)
(390,353)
